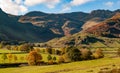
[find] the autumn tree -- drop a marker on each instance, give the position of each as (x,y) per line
(74,54)
(15,58)
(9,56)
(37,50)
(62,51)
(61,59)
(26,47)
(49,50)
(58,52)
(98,54)
(2,44)
(118,52)
(33,57)
(86,54)
(15,48)
(53,51)
(4,57)
(8,47)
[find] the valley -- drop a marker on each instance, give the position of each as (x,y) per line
(75,42)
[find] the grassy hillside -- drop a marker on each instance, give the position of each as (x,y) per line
(20,55)
(85,40)
(104,34)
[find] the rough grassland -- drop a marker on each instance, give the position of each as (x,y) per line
(75,67)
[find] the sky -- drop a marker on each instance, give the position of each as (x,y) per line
(20,7)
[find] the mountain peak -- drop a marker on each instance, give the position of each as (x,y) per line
(35,13)
(1,11)
(99,11)
(118,10)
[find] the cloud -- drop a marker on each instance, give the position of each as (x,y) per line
(21,6)
(48,3)
(13,7)
(75,3)
(18,1)
(66,8)
(79,2)
(109,4)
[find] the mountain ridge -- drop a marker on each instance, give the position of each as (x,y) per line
(11,29)
(104,34)
(36,25)
(56,22)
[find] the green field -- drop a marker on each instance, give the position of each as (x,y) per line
(88,66)
(75,67)
(8,51)
(19,55)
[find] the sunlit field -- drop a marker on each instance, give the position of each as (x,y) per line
(75,67)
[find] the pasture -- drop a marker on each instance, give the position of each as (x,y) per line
(21,56)
(90,66)
(87,66)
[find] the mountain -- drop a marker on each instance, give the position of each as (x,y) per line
(104,34)
(97,16)
(41,27)
(67,23)
(57,23)
(11,29)
(108,28)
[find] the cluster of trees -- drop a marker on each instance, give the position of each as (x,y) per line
(51,60)
(75,54)
(68,54)
(10,57)
(118,52)
(34,58)
(26,47)
(49,50)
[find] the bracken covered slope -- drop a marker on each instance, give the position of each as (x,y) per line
(104,34)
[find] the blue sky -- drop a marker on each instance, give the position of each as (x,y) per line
(18,7)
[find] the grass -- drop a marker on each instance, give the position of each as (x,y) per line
(8,51)
(17,61)
(24,60)
(88,66)
(74,67)
(97,44)
(19,55)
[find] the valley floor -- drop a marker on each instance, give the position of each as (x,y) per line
(91,66)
